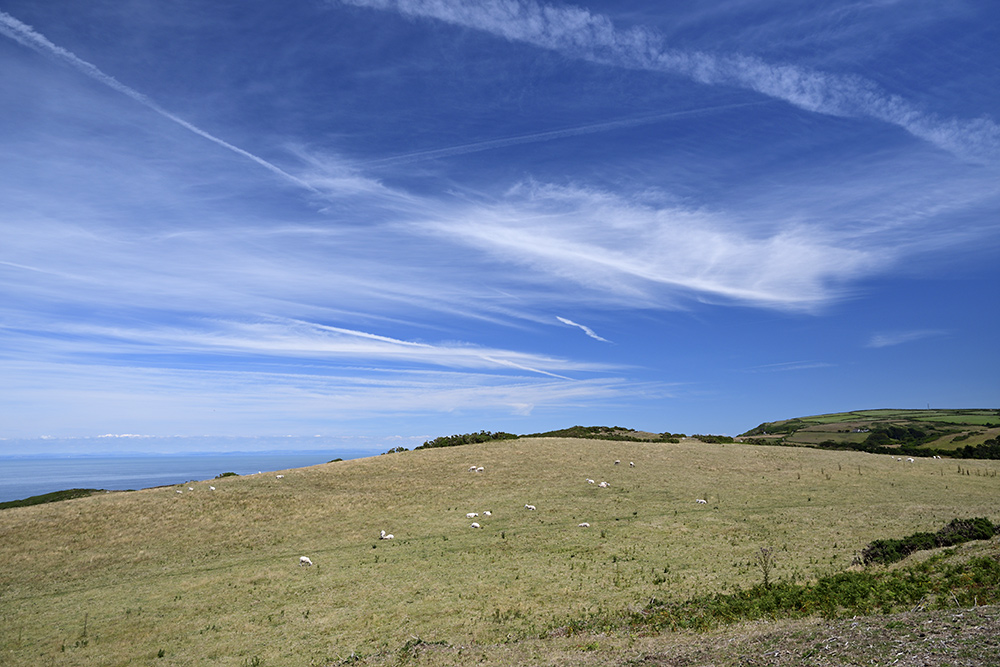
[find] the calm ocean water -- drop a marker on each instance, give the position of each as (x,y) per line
(21,477)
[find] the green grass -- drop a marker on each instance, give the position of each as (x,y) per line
(213,578)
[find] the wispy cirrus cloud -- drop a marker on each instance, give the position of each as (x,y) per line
(786,366)
(890,339)
(645,254)
(192,401)
(279,338)
(579,33)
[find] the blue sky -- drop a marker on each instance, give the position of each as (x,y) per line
(380,221)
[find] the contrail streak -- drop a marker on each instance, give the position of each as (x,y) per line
(587,330)
(26,36)
(593,128)
(579,33)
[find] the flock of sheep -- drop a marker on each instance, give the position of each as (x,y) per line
(304,560)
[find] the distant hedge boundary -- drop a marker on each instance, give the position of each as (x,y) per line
(466,439)
(619,433)
(956,532)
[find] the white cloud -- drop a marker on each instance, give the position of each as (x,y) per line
(890,339)
(181,401)
(646,255)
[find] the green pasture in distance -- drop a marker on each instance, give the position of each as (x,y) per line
(944,429)
(213,577)
(967,419)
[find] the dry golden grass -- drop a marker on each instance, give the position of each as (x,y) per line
(213,577)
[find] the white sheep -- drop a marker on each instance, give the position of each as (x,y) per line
(480,469)
(211,488)
(910,460)
(472,515)
(190,488)
(700,501)
(475,525)
(179,491)
(529,507)
(279,476)
(472,468)
(604,485)
(631,464)
(386,536)
(304,560)
(617,461)
(487,513)
(583,525)
(590,481)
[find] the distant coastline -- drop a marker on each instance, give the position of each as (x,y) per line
(27,475)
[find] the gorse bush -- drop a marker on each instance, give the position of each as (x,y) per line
(958,531)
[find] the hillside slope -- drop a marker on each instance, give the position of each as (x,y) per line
(940,430)
(212,577)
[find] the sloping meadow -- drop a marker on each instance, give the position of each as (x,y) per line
(213,577)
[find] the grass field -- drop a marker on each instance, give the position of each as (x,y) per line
(212,577)
(947,429)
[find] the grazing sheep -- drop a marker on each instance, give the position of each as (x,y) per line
(910,460)
(480,469)
(472,515)
(179,491)
(472,468)
(279,476)
(487,513)
(617,461)
(604,485)
(529,507)
(304,560)
(590,481)
(631,464)
(190,488)
(211,488)
(475,525)
(583,525)
(701,501)
(386,536)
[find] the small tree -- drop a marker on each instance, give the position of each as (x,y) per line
(765,561)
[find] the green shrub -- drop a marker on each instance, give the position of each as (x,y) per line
(958,531)
(466,439)
(976,581)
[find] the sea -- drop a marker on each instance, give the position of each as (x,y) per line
(25,476)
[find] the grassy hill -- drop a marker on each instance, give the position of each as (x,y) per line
(212,577)
(940,430)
